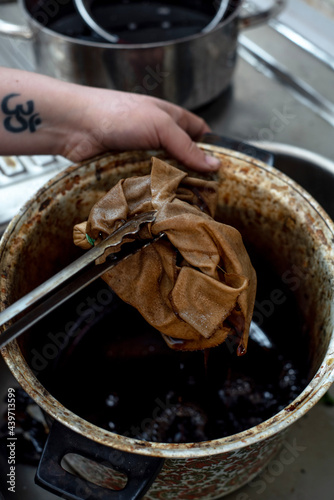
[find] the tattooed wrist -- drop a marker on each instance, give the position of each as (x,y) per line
(19,117)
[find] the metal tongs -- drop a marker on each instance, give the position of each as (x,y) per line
(73,278)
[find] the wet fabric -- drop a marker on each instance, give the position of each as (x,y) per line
(196,285)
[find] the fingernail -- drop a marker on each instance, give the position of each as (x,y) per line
(212,161)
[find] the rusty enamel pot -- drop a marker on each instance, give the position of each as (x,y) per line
(276,216)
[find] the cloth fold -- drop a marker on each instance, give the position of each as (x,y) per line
(197,286)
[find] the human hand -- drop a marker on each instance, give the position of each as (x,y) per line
(112,120)
(43,115)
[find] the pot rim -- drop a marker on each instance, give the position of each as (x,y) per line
(38,26)
(296,152)
(316,388)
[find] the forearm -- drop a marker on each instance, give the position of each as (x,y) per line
(36,113)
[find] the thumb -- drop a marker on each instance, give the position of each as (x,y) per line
(182,148)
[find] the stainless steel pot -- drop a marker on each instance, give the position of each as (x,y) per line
(188,71)
(285,225)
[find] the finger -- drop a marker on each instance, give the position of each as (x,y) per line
(191,123)
(179,144)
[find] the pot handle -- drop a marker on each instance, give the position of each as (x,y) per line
(140,470)
(248,20)
(240,146)
(14,30)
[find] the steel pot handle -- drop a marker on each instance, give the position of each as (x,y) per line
(14,30)
(259,17)
(140,470)
(240,146)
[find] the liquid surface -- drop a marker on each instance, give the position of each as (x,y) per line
(134,21)
(116,371)
(143,22)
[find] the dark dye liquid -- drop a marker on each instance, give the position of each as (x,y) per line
(141,22)
(134,21)
(115,371)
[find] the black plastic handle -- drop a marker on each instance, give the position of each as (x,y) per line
(236,145)
(140,470)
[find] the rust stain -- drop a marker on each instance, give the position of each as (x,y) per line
(98,171)
(292,407)
(44,204)
(321,236)
(309,219)
(69,183)
(290,223)
(9,161)
(36,219)
(278,188)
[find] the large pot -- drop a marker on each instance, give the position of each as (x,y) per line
(278,220)
(188,71)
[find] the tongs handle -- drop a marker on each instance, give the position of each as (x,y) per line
(73,278)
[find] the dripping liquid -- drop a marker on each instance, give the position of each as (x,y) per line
(115,371)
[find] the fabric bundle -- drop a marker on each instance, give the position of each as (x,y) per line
(196,285)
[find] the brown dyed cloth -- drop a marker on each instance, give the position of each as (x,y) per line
(196,286)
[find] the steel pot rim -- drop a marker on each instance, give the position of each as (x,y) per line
(38,26)
(297,152)
(316,388)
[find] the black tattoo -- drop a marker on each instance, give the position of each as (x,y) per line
(16,120)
